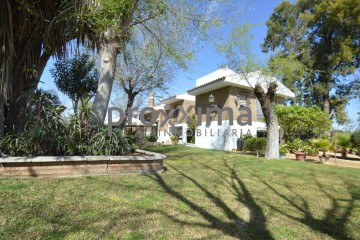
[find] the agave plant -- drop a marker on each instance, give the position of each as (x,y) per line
(44,131)
(103,144)
(45,127)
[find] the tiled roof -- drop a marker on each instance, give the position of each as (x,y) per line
(208,83)
(236,79)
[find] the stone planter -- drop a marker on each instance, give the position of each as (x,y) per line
(301,156)
(324,160)
(55,166)
(282,156)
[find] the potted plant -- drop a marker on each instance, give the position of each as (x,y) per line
(174,139)
(300,155)
(310,149)
(323,144)
(282,151)
(296,147)
(152,138)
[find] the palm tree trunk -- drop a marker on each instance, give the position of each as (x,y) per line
(2,112)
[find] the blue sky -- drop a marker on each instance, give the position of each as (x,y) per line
(207,58)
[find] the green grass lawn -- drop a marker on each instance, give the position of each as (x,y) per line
(203,194)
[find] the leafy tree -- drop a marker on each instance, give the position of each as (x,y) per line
(298,121)
(113,23)
(32,31)
(323,35)
(147,65)
(77,78)
(260,78)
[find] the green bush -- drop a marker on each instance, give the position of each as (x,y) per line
(295,145)
(246,136)
(46,133)
(309,149)
(255,144)
(355,140)
(103,144)
(152,138)
(283,149)
(298,121)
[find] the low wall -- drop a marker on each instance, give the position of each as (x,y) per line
(51,166)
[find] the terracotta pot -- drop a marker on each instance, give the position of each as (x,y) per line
(301,156)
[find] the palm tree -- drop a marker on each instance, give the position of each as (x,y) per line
(31,32)
(343,140)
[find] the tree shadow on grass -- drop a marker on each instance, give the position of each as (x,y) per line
(234,226)
(334,222)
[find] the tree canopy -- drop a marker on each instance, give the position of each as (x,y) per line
(299,121)
(77,78)
(324,36)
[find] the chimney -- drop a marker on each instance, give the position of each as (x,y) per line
(151,99)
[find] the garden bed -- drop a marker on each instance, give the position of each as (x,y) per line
(55,166)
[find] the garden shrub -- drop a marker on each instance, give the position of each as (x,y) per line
(255,144)
(355,140)
(299,121)
(152,138)
(103,144)
(295,145)
(283,149)
(46,133)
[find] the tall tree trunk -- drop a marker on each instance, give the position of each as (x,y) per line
(272,123)
(23,85)
(17,104)
(326,104)
(76,106)
(2,117)
(327,110)
(108,53)
(129,105)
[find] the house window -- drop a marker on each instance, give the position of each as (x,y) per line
(242,98)
(176,113)
(279,100)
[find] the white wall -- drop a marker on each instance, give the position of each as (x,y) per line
(214,136)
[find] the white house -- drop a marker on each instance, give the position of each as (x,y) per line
(224,88)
